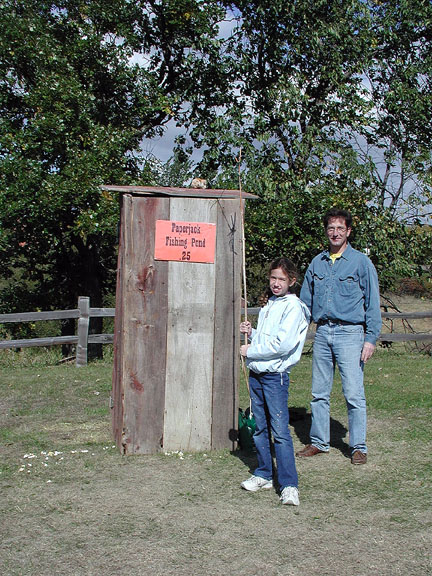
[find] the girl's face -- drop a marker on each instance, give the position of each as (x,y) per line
(280,283)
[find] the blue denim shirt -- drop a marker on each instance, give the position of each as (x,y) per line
(347,290)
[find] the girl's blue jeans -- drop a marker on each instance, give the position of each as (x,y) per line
(341,346)
(269,398)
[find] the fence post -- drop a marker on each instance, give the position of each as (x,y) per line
(83,330)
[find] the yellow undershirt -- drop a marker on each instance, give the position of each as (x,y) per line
(334,257)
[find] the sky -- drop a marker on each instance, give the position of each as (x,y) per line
(162,147)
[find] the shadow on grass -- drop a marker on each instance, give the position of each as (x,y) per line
(300,420)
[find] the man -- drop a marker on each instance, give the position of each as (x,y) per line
(341,291)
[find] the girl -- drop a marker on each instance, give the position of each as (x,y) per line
(275,346)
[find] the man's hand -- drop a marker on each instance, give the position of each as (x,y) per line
(368,350)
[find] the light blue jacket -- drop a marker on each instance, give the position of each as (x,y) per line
(277,343)
(347,290)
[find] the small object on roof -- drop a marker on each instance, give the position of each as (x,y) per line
(199,183)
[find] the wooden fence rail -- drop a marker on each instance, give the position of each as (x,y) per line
(83,338)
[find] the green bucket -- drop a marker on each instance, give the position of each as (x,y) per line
(246,430)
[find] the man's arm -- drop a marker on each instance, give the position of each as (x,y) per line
(372,311)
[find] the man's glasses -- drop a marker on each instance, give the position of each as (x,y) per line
(339,230)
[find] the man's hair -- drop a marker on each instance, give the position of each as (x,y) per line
(337,213)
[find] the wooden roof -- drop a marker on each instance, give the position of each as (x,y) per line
(181,192)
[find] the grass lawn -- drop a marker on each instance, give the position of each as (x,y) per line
(72,504)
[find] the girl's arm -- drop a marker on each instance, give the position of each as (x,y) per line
(284,340)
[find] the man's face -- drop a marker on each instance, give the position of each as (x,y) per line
(337,234)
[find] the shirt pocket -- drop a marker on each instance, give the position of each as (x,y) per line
(349,285)
(318,285)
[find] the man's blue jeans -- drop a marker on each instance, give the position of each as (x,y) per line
(269,396)
(341,346)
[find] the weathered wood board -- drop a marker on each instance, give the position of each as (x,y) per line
(175,377)
(228,291)
(141,336)
(189,370)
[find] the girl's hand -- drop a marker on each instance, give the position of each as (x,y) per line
(244,349)
(246,328)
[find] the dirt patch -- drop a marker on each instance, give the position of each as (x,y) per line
(98,513)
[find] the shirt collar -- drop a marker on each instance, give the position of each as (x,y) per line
(344,254)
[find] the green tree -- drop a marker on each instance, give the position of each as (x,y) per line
(330,103)
(397,136)
(82,83)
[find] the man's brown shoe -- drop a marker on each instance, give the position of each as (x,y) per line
(358,457)
(310,450)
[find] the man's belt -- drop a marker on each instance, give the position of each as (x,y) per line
(331,321)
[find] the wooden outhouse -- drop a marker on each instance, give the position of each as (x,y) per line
(178,308)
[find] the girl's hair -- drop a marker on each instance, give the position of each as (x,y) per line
(290,270)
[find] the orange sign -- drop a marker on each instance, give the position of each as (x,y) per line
(185,241)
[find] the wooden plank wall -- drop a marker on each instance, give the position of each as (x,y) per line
(175,377)
(189,369)
(143,298)
(226,327)
(116,401)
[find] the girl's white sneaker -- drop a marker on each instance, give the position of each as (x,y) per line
(255,483)
(290,495)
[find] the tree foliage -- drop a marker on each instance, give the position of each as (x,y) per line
(400,84)
(331,106)
(318,103)
(82,83)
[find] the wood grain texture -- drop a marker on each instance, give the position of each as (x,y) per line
(116,401)
(142,350)
(189,368)
(226,325)
(83,331)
